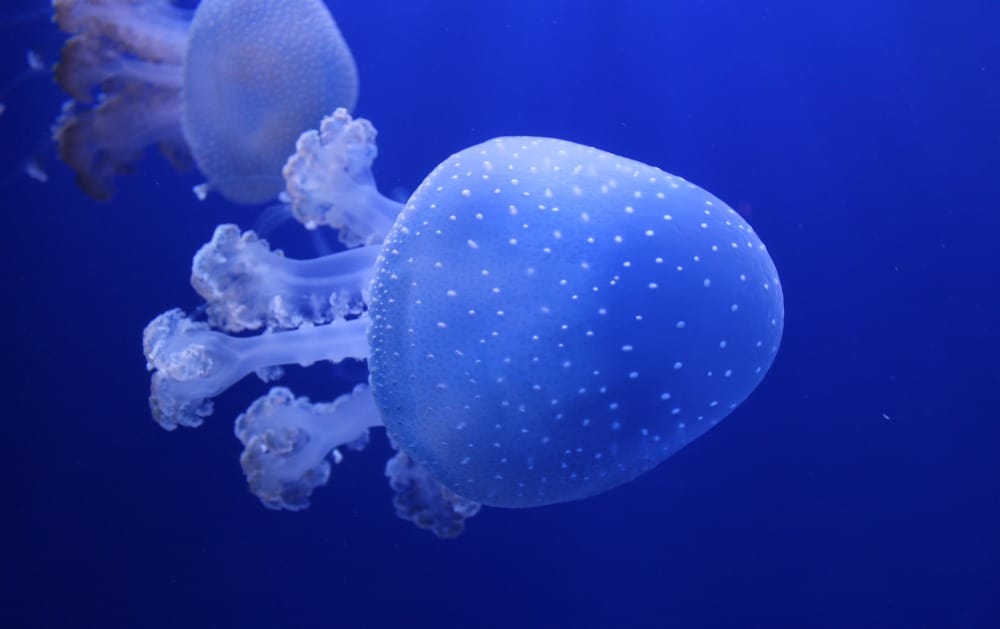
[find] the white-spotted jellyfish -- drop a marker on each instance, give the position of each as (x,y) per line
(542,322)
(231,84)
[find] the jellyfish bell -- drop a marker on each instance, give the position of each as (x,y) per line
(543,321)
(258,74)
(549,320)
(231,85)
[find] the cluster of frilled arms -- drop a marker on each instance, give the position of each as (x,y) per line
(303,311)
(123,69)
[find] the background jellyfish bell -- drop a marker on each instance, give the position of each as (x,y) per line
(232,84)
(258,74)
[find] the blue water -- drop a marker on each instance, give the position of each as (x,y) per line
(857,487)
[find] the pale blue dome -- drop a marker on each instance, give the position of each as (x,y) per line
(550,321)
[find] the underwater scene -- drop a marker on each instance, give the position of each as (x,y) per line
(500,314)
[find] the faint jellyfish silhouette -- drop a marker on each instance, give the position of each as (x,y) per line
(31,162)
(543,322)
(34,66)
(232,84)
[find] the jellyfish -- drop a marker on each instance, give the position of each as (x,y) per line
(35,66)
(30,165)
(230,86)
(542,322)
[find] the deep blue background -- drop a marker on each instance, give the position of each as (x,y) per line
(862,140)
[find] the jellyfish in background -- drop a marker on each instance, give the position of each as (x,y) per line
(542,322)
(231,84)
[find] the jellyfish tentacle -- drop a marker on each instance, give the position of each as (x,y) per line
(288,442)
(193,364)
(88,64)
(248,286)
(123,68)
(423,500)
(102,142)
(156,30)
(329,181)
